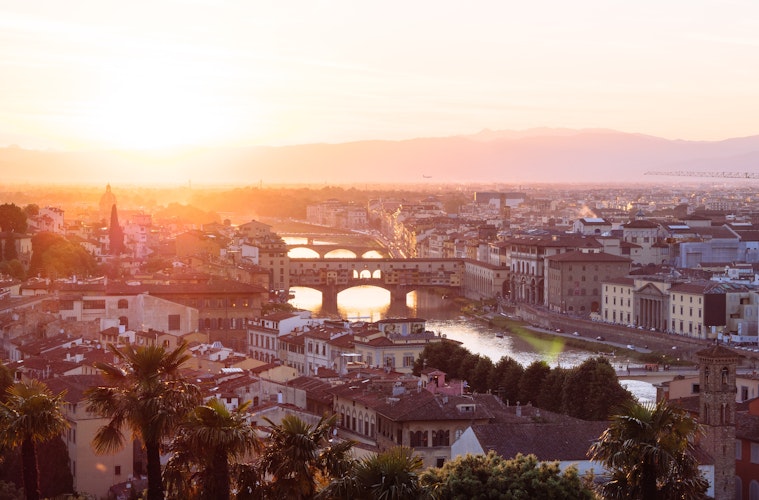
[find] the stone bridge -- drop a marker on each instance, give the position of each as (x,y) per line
(358,250)
(399,276)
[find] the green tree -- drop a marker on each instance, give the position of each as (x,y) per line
(209,440)
(148,396)
(12,218)
(54,256)
(505,379)
(9,249)
(592,391)
(551,393)
(298,456)
(31,414)
(392,475)
(32,210)
(479,376)
(492,476)
(648,450)
(531,383)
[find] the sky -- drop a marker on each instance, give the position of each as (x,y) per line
(106,74)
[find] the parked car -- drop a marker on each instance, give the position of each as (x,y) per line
(600,337)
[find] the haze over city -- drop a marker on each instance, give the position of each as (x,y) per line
(213,91)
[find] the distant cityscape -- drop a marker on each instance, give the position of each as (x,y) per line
(645,263)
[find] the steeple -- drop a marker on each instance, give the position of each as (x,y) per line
(717,366)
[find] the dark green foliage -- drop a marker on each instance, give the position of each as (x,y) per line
(648,450)
(390,475)
(550,396)
(31,414)
(12,218)
(592,391)
(147,397)
(115,234)
(492,476)
(531,383)
(14,269)
(9,491)
(297,454)
(32,210)
(9,249)
(505,378)
(54,256)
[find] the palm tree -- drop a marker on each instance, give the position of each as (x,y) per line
(208,440)
(648,450)
(147,396)
(298,454)
(391,475)
(30,414)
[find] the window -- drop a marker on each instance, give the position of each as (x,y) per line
(93,304)
(117,470)
(174,322)
(408,360)
(123,304)
(66,305)
(755,453)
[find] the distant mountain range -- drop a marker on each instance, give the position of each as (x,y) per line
(536,155)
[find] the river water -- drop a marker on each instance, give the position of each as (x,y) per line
(368,303)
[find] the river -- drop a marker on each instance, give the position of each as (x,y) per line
(368,303)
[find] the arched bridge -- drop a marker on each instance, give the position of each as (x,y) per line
(399,276)
(358,250)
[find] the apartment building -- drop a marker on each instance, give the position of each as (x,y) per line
(574,280)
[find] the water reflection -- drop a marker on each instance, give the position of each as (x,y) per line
(369,303)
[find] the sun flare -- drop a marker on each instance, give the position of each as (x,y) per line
(148,105)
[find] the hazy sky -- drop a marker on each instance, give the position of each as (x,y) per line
(80,74)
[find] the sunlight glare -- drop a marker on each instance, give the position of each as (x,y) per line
(155,104)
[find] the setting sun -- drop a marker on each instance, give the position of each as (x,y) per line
(147,105)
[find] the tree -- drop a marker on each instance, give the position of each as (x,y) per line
(531,383)
(12,218)
(298,454)
(209,439)
(550,397)
(148,396)
(31,414)
(9,248)
(53,256)
(480,375)
(648,450)
(505,379)
(492,476)
(390,475)
(592,391)
(115,234)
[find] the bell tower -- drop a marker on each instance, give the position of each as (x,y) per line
(717,367)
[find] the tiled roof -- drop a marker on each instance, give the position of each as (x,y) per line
(547,441)
(578,256)
(74,385)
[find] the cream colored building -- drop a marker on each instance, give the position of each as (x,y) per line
(93,474)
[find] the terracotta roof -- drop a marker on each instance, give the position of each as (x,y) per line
(547,441)
(719,352)
(74,385)
(640,224)
(578,256)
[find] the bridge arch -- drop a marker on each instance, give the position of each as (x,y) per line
(302,252)
(339,253)
(364,274)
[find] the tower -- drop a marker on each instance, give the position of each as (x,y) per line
(717,367)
